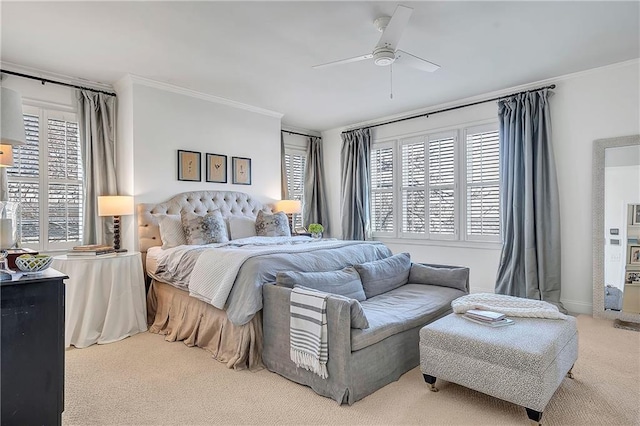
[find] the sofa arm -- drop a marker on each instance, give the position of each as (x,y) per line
(442,275)
(276,320)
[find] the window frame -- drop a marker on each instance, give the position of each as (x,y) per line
(45,111)
(460,238)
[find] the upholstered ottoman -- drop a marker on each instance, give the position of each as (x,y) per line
(523,363)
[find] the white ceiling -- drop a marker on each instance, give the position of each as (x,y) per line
(261,53)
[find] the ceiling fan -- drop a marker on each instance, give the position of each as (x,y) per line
(385,52)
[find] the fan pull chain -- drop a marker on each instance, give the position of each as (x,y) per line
(391,79)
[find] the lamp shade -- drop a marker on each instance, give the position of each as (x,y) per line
(289,206)
(115,205)
(6,156)
(11,120)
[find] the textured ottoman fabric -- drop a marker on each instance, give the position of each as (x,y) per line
(523,363)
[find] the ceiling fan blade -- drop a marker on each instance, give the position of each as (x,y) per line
(345,61)
(405,58)
(391,35)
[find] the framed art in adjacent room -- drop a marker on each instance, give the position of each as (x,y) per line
(632,277)
(189,166)
(635,211)
(634,255)
(241,170)
(216,168)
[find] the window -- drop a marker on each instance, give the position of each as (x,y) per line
(46,180)
(415,190)
(295,160)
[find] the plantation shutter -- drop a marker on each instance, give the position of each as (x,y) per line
(65,181)
(483,190)
(295,164)
(382,217)
(413,187)
(442,185)
(46,179)
(24,181)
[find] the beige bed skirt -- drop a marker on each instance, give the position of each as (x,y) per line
(178,316)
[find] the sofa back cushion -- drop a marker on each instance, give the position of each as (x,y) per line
(445,277)
(345,282)
(384,275)
(358,318)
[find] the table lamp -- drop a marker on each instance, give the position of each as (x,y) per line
(289,207)
(116,206)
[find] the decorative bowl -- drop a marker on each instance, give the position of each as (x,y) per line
(33,263)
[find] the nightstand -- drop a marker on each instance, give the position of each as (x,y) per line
(105,298)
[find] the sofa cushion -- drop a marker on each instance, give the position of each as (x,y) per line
(401,309)
(383,275)
(358,317)
(345,282)
(446,277)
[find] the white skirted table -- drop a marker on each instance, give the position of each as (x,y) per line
(104,298)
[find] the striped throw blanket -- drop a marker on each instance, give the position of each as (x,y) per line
(308,330)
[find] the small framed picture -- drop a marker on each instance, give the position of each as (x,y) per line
(614,231)
(635,211)
(634,255)
(632,277)
(241,170)
(216,168)
(189,166)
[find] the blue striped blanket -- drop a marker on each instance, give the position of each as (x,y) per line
(308,330)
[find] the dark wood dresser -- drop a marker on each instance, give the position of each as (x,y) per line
(32,349)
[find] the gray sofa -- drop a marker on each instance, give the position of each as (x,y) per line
(362,361)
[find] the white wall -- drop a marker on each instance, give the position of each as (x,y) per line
(156,123)
(599,103)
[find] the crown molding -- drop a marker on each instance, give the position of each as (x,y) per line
(204,96)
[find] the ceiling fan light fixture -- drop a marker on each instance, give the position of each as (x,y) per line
(384,57)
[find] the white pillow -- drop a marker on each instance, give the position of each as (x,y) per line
(242,227)
(171,231)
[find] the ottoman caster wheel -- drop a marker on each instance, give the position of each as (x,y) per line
(431,382)
(569,373)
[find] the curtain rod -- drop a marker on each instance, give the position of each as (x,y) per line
(46,80)
(299,134)
(553,86)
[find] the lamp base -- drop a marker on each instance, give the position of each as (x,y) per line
(121,250)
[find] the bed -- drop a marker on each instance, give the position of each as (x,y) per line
(211,296)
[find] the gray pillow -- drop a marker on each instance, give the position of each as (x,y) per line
(444,277)
(272,225)
(381,276)
(345,282)
(358,318)
(206,229)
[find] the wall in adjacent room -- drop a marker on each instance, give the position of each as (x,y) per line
(164,119)
(595,104)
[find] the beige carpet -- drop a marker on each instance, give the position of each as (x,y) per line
(145,380)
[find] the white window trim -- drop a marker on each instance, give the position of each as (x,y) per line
(460,237)
(291,149)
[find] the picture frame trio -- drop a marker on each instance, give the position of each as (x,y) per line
(189,170)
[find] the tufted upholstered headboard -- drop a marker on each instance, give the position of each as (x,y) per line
(229,203)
